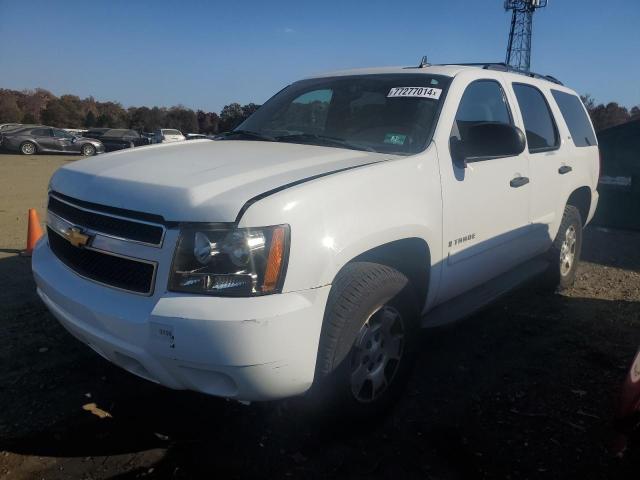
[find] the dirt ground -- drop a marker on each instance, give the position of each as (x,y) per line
(525,389)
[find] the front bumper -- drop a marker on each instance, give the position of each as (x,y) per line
(259,348)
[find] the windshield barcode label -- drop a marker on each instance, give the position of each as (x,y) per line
(422,92)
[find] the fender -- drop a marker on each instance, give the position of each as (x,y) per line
(337,217)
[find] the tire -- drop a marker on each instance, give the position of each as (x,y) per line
(357,373)
(564,254)
(87,150)
(28,148)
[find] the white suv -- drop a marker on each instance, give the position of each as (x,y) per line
(301,252)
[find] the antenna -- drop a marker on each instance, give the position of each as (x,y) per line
(519,47)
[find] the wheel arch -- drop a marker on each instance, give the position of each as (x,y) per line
(410,256)
(581,199)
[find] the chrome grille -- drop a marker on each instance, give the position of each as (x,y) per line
(104,267)
(106,223)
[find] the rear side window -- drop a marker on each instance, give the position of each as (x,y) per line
(576,119)
(540,128)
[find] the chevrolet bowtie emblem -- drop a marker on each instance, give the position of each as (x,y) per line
(76,237)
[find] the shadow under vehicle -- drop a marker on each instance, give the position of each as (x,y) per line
(118,138)
(42,139)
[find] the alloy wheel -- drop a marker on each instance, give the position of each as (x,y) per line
(568,251)
(377,354)
(28,148)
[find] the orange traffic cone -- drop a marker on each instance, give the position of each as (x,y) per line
(34,232)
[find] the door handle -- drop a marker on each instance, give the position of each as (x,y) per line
(519,182)
(564,169)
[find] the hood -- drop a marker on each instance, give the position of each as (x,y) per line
(201,180)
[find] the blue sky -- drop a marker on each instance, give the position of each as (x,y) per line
(207,54)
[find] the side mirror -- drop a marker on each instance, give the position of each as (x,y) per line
(486,140)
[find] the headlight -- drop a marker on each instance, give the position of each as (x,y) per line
(237,262)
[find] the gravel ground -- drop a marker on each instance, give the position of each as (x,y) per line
(525,389)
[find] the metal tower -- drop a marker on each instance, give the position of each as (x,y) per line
(519,48)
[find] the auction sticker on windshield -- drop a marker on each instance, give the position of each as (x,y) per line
(421,92)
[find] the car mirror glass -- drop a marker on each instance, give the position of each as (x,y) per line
(487,140)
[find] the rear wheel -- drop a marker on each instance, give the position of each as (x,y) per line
(28,148)
(368,339)
(88,150)
(564,254)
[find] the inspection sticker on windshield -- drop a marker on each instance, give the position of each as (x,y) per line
(422,92)
(395,138)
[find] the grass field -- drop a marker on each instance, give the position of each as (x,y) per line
(23,185)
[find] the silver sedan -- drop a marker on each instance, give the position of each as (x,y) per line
(41,139)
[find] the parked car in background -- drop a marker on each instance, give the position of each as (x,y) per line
(77,132)
(29,140)
(118,138)
(168,135)
(149,136)
(197,136)
(9,126)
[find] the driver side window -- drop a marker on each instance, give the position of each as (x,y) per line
(483,101)
(60,134)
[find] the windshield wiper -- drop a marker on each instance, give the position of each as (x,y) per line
(323,140)
(250,134)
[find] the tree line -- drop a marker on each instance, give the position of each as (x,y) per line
(40,106)
(609,115)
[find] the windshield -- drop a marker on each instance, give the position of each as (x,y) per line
(171,132)
(389,113)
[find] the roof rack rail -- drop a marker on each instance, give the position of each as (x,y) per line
(503,67)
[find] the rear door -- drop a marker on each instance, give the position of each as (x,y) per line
(485,211)
(549,162)
(44,138)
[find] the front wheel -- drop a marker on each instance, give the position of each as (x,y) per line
(564,254)
(367,344)
(88,150)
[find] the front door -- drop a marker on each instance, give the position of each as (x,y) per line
(486,203)
(63,141)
